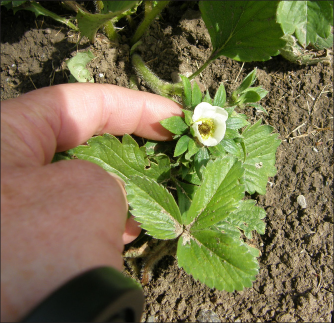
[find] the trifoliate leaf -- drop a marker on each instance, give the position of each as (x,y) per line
(217,259)
(196,97)
(307,20)
(220,97)
(124,159)
(175,125)
(247,217)
(77,66)
(218,195)
(154,207)
(181,145)
(243,30)
(261,148)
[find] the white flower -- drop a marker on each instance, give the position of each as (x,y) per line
(209,123)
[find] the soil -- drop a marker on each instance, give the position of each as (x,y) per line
(295,282)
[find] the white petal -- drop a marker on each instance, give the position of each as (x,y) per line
(203,110)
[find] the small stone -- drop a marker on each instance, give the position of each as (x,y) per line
(47,31)
(207,316)
(302,201)
(151,319)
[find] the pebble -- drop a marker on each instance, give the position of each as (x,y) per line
(302,201)
(207,316)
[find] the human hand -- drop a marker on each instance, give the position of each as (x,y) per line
(59,220)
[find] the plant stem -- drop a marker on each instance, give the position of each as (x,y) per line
(148,20)
(157,85)
(36,7)
(209,61)
(110,31)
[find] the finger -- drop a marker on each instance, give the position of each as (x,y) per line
(64,223)
(132,230)
(64,116)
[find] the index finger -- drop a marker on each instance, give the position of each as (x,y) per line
(63,116)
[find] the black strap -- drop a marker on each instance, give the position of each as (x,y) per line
(99,295)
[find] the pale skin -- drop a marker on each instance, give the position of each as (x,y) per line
(59,220)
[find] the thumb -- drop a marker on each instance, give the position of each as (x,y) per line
(68,217)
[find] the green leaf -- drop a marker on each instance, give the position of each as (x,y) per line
(243,30)
(219,193)
(186,98)
(246,83)
(236,123)
(217,259)
(159,168)
(261,148)
(188,116)
(196,95)
(247,217)
(90,23)
(201,158)
(175,125)
(307,20)
(192,178)
(258,107)
(181,145)
(77,66)
(232,147)
(185,194)
(249,96)
(60,156)
(150,147)
(124,159)
(207,98)
(217,151)
(12,4)
(193,148)
(231,134)
(37,9)
(116,6)
(154,207)
(322,43)
(220,97)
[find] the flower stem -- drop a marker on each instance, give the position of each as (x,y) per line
(209,61)
(149,17)
(158,86)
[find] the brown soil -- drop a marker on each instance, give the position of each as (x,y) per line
(295,282)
